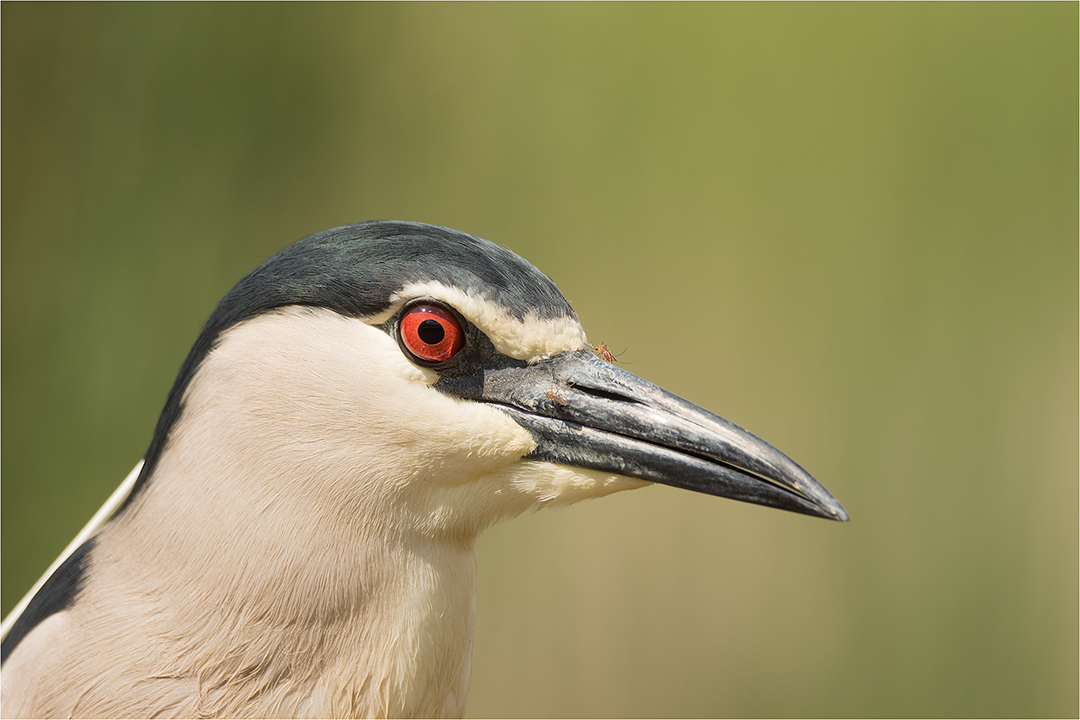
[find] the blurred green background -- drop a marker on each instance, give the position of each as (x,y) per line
(851,229)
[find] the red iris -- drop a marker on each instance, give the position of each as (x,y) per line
(433,335)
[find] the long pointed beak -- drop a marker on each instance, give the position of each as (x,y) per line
(589,413)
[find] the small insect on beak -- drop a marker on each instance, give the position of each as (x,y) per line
(604,353)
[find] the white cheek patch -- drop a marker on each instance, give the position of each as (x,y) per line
(317,388)
(531,339)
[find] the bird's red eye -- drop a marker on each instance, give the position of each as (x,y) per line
(433,335)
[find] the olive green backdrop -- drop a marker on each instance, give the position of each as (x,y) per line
(850,228)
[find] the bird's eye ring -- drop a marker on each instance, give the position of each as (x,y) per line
(432,335)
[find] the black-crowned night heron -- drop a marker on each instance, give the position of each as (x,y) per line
(301,537)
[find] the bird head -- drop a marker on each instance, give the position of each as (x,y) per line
(435,382)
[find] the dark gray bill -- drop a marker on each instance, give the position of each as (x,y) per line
(586,412)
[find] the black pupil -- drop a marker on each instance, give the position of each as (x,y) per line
(431,332)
